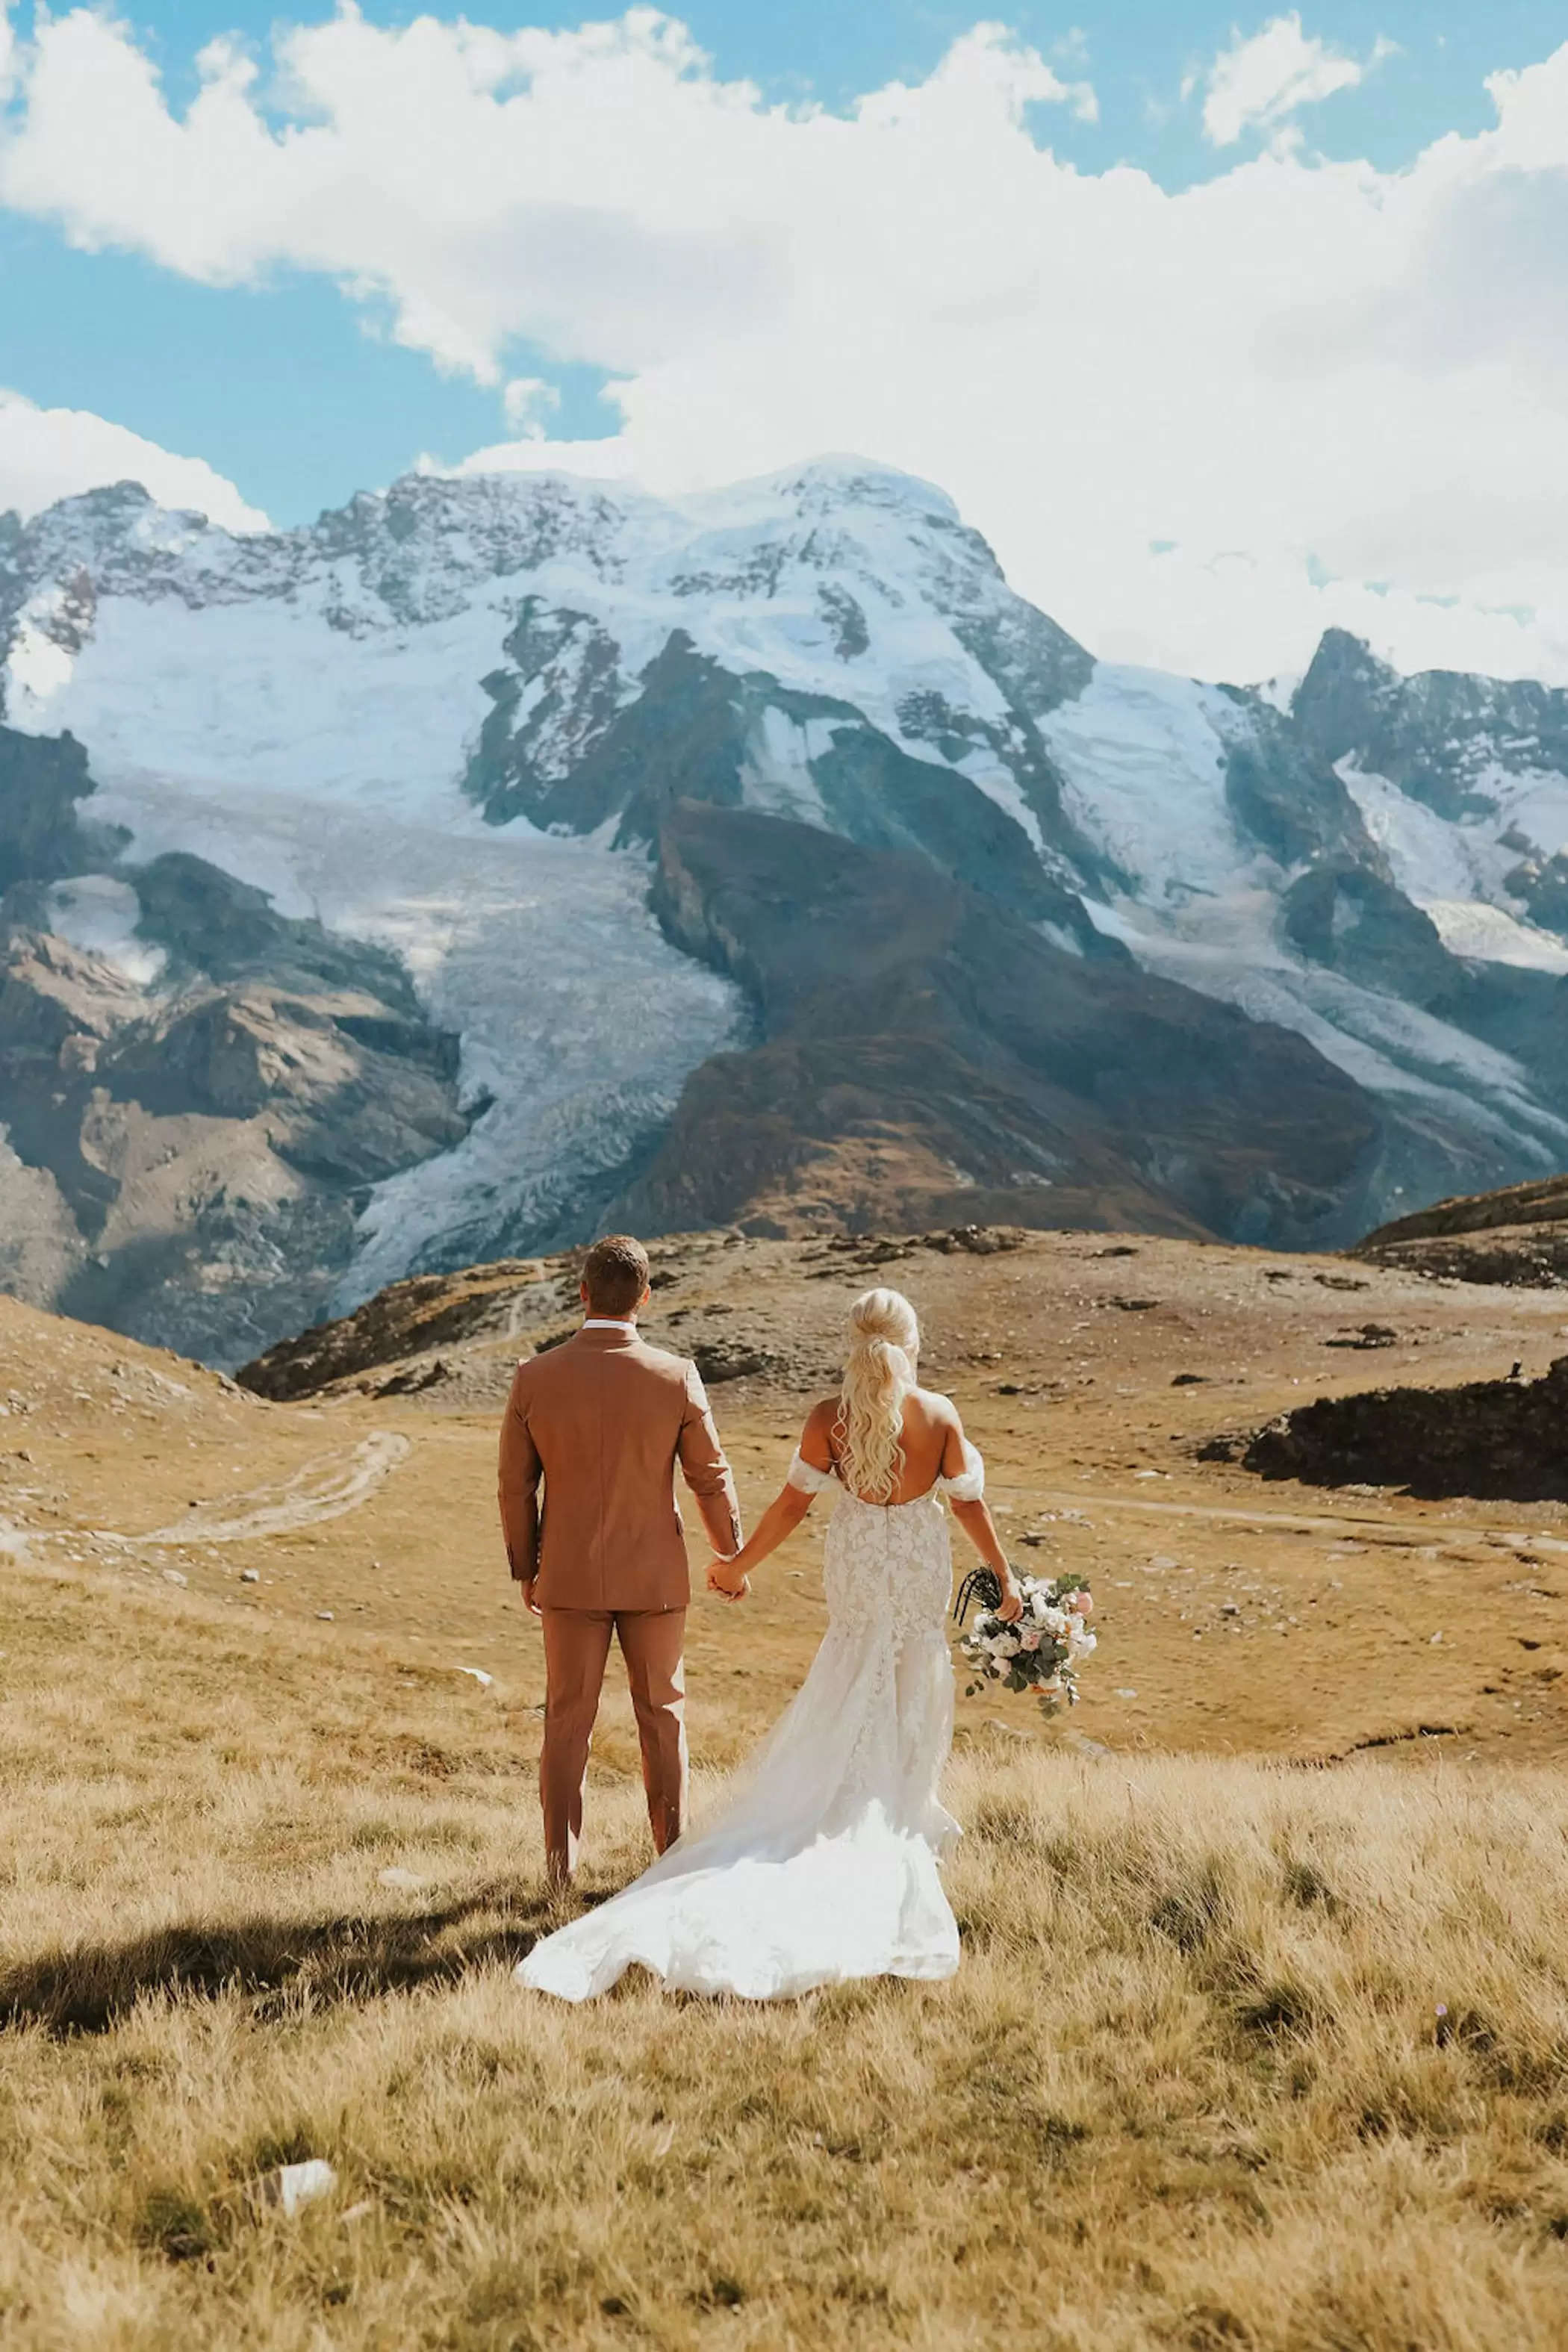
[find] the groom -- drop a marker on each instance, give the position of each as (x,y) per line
(602,1420)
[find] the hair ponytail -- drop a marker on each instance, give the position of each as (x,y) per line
(878,1375)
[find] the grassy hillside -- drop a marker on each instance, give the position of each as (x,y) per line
(1241,2058)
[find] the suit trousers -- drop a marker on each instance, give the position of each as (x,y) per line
(577,1650)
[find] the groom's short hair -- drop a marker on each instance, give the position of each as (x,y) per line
(616,1274)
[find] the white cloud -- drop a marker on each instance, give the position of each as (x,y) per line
(1259,82)
(528,400)
(1276,371)
(613,460)
(597,190)
(54,453)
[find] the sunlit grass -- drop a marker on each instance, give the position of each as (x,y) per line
(1238,2057)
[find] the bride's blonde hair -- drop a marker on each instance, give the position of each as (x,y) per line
(879,1373)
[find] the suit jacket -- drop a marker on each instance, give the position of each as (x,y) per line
(602,1420)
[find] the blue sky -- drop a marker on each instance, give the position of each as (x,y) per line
(1222,324)
(286,389)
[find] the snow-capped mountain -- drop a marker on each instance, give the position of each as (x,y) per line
(452,719)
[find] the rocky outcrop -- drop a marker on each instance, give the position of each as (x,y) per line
(210,923)
(432,1333)
(1435,735)
(1348,919)
(695,730)
(1500,1439)
(1540,886)
(184,1160)
(513,1296)
(1284,792)
(42,778)
(58,1006)
(927,1057)
(1353,921)
(1517,1237)
(345,1101)
(1544,1203)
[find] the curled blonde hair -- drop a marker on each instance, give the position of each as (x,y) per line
(879,1373)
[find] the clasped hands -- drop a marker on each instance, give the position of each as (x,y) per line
(730,1582)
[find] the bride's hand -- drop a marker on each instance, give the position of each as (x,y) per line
(1011,1607)
(723,1579)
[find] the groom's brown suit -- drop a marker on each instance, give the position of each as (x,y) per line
(603,1421)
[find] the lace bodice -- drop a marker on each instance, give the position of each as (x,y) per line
(889,1563)
(889,1566)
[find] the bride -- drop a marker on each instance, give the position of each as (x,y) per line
(821,1864)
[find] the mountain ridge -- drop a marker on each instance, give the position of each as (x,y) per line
(451,720)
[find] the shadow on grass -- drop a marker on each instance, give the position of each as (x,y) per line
(281,1964)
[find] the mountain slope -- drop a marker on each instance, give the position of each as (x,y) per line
(928,1058)
(197,1092)
(452,721)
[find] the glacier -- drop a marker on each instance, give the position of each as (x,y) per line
(578,1023)
(405,719)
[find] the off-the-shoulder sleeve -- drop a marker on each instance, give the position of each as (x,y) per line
(970,1485)
(806,1476)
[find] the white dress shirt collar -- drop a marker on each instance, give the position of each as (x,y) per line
(609,1323)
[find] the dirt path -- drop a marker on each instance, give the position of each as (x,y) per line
(1238,1514)
(328,1489)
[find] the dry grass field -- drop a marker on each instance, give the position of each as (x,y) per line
(1260,2044)
(1240,2055)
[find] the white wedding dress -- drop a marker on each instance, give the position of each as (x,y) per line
(822,1863)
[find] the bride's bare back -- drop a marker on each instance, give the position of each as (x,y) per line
(931,1434)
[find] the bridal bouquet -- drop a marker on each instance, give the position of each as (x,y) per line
(1042,1650)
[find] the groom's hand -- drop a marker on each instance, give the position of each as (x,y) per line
(528,1587)
(725,1579)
